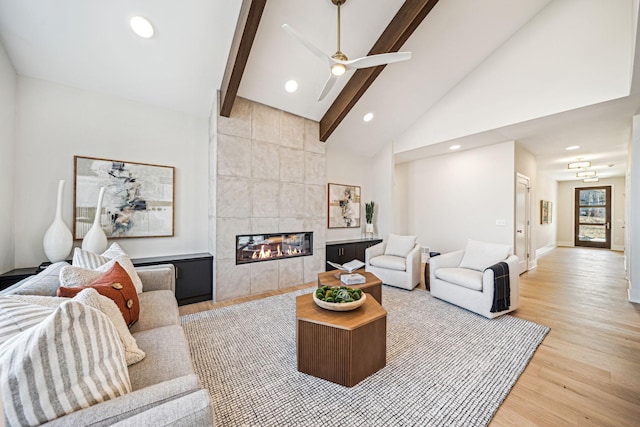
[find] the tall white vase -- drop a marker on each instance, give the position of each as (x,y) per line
(58,240)
(95,240)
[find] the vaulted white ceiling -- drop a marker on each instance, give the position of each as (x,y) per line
(462,54)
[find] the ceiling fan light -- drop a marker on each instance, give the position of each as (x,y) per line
(580,164)
(142,27)
(338,69)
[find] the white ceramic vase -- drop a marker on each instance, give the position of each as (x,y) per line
(368,228)
(95,240)
(58,240)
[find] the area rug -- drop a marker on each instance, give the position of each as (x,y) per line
(445,366)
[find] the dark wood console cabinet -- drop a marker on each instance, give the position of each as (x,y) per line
(347,250)
(194,275)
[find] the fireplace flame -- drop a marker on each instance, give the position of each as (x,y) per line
(263,254)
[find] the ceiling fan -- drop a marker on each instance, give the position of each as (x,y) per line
(338,62)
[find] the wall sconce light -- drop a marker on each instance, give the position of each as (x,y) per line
(584,174)
(579,164)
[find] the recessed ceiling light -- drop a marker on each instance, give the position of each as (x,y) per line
(573,147)
(368,117)
(291,86)
(454,147)
(141,26)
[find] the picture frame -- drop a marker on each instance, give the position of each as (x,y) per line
(344,206)
(138,199)
(544,212)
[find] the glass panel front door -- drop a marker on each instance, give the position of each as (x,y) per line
(593,217)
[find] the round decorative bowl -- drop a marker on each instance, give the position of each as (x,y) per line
(344,306)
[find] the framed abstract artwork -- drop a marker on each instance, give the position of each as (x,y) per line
(344,206)
(138,199)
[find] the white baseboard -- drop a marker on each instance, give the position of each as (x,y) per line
(543,250)
(533,263)
(566,244)
(617,248)
(634,294)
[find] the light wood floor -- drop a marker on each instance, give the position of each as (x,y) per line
(587,370)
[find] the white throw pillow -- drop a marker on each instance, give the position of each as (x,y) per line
(400,245)
(92,298)
(98,263)
(71,360)
(482,255)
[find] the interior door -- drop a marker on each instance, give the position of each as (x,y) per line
(592,217)
(522,222)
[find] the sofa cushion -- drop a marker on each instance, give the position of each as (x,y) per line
(167,357)
(390,262)
(157,309)
(70,360)
(399,245)
(471,279)
(93,261)
(44,283)
(481,255)
(116,285)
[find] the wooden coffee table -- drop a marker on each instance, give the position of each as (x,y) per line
(373,285)
(343,347)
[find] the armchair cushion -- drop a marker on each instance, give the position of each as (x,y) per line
(482,255)
(389,262)
(399,245)
(471,279)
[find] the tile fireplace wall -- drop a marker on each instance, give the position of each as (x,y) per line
(268,174)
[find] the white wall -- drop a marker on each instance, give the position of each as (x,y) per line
(632,247)
(56,122)
(546,234)
(348,170)
(7,159)
(460,196)
(380,178)
(566,206)
(561,60)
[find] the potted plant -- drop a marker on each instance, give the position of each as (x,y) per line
(368,210)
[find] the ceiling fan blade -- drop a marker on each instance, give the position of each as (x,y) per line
(306,43)
(327,86)
(375,60)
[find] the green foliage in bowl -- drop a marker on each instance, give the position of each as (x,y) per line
(338,294)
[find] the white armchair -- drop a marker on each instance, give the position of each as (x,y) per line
(395,262)
(464,279)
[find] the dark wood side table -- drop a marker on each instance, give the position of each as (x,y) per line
(194,275)
(343,347)
(427,274)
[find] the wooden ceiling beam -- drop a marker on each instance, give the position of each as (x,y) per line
(403,24)
(246,29)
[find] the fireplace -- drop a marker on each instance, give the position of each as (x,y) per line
(272,246)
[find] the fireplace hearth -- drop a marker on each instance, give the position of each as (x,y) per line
(272,246)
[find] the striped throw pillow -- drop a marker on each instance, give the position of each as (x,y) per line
(88,266)
(71,360)
(17,316)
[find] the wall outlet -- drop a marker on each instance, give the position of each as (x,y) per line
(501,222)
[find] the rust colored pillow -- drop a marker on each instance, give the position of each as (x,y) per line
(117,285)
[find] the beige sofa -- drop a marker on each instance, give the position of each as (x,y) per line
(165,389)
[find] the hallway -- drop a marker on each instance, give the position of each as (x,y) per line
(587,370)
